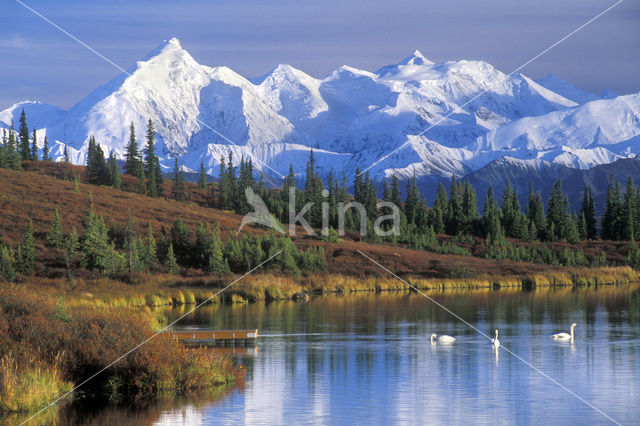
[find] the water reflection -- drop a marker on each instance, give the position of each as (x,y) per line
(369,359)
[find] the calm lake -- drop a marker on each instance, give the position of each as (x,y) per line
(367,359)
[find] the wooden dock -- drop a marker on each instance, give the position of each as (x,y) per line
(220,338)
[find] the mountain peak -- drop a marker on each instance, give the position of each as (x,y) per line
(281,72)
(285,70)
(171,45)
(174,41)
(416,58)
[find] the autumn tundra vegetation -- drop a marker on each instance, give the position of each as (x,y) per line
(87,252)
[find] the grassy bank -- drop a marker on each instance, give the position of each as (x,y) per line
(47,345)
(167,290)
(26,385)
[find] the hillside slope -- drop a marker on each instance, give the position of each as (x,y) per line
(33,196)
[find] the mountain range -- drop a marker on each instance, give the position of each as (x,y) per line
(434,120)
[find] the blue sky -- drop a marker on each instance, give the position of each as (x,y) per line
(252,37)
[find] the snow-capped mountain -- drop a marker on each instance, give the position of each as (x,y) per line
(431,119)
(563,88)
(597,132)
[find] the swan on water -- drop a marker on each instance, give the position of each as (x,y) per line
(443,338)
(564,336)
(495,342)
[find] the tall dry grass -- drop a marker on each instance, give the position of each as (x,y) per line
(28,385)
(45,345)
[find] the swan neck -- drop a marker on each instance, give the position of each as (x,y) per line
(572,327)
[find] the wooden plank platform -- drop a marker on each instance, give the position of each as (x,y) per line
(216,337)
(236,350)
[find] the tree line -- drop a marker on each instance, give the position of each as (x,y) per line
(454,211)
(17,146)
(118,248)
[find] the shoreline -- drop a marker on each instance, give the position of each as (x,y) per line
(166,290)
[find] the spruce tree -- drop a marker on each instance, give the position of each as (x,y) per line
(422,215)
(588,213)
(45,150)
(572,232)
(234,255)
(386,192)
(582,227)
(441,209)
(179,184)
(396,196)
(232,184)
(140,176)
(491,216)
(245,177)
(200,252)
(170,264)
(521,223)
(34,146)
(636,220)
(96,249)
(23,134)
(132,155)
(132,255)
(312,193)
(152,163)
(4,163)
(202,179)
(7,263)
(245,180)
(411,201)
(66,155)
(332,200)
(286,259)
(13,156)
(535,214)
(290,186)
(181,242)
(97,173)
(613,212)
(152,186)
(629,212)
(289,181)
(455,206)
(27,252)
(469,210)
(223,184)
(149,255)
(55,238)
(115,180)
(370,199)
(558,215)
(514,223)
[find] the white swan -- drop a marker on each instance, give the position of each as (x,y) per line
(495,342)
(564,336)
(443,338)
